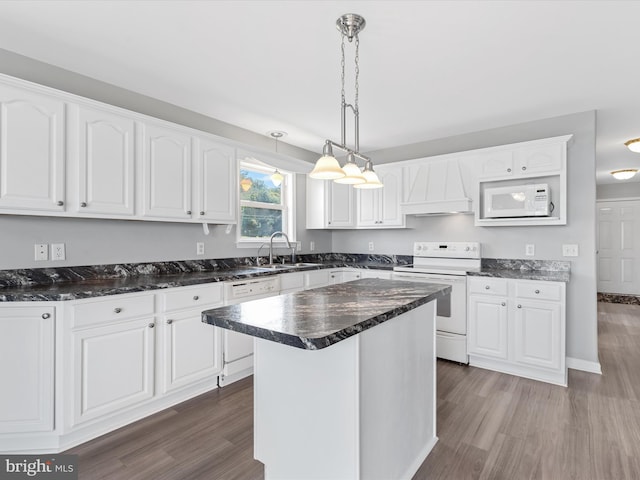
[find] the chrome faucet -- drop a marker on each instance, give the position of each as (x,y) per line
(271,244)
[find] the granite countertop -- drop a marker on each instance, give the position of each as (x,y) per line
(546,270)
(546,275)
(90,282)
(317,318)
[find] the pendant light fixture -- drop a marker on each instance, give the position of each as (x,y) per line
(633,145)
(624,174)
(276,177)
(327,167)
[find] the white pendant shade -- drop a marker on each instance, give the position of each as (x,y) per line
(371,180)
(633,145)
(276,178)
(327,168)
(353,175)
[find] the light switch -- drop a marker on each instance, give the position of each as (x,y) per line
(530,250)
(41,251)
(570,250)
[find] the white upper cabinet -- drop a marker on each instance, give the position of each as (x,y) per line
(32,162)
(166,173)
(380,207)
(105,149)
(215,182)
(531,160)
(330,204)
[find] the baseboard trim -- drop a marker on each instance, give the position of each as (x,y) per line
(584,365)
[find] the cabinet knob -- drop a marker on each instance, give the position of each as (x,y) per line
(524,168)
(202,213)
(508,170)
(537,291)
(519,306)
(196,297)
(117,310)
(60,203)
(188,212)
(46,315)
(83,204)
(151,325)
(487,287)
(169,322)
(503,304)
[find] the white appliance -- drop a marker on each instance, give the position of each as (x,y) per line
(446,263)
(517,201)
(237,353)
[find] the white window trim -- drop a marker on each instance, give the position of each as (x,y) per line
(288,193)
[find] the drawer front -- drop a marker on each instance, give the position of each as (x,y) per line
(118,307)
(191,297)
(539,290)
(487,285)
(291,281)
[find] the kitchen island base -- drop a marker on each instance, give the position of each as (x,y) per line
(363,408)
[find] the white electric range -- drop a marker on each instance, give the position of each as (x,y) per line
(446,263)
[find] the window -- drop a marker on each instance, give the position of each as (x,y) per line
(264,206)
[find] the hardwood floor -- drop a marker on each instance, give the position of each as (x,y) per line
(490,425)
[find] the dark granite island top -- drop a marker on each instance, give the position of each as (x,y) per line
(317,318)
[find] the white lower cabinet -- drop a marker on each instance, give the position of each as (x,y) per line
(112,355)
(190,350)
(518,327)
(27,369)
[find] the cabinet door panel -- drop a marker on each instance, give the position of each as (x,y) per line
(106,162)
(26,338)
(114,368)
(487,326)
(191,350)
(390,196)
(167,173)
(31,151)
(368,202)
(545,159)
(217,182)
(537,334)
(340,205)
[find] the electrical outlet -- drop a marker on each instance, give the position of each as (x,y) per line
(371,246)
(570,250)
(58,252)
(312,246)
(41,252)
(530,250)
(199,248)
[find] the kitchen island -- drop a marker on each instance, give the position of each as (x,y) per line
(344,382)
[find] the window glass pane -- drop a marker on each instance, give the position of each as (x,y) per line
(260,222)
(258,187)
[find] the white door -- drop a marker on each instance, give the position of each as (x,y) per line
(31,151)
(487,334)
(537,332)
(619,246)
(216,181)
(113,368)
(167,173)
(390,196)
(191,350)
(341,205)
(105,149)
(26,369)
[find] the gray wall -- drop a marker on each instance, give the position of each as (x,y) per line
(115,241)
(623,189)
(509,242)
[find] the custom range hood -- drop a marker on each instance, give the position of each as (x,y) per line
(434,187)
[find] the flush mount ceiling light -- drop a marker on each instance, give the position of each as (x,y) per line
(624,174)
(633,145)
(327,167)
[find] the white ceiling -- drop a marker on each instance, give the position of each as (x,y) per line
(428,69)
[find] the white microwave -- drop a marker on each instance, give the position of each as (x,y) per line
(517,201)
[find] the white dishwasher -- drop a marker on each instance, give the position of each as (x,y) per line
(237,353)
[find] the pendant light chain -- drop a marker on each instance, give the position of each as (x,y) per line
(357,72)
(342,67)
